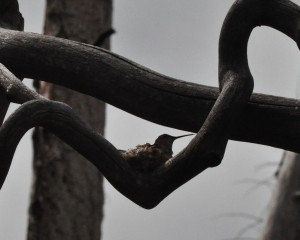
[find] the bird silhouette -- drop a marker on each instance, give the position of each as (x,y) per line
(147,157)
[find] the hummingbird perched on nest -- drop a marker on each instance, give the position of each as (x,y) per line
(147,157)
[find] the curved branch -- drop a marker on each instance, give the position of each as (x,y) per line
(205,150)
(147,190)
(15,91)
(60,119)
(156,97)
(10,18)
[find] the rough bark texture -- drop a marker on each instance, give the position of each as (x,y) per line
(102,74)
(205,150)
(283,221)
(107,76)
(66,189)
(10,18)
(67,196)
(215,117)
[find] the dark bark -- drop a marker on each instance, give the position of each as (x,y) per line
(236,86)
(158,98)
(263,119)
(67,196)
(10,18)
(266,120)
(146,190)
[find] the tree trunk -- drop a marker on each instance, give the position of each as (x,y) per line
(283,221)
(67,197)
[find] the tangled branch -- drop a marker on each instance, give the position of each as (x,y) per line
(152,96)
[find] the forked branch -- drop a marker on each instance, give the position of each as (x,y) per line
(147,190)
(155,97)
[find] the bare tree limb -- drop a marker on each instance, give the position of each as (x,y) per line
(155,97)
(14,89)
(10,18)
(266,120)
(146,190)
(208,145)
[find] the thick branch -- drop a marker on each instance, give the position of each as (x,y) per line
(10,18)
(146,190)
(152,96)
(14,90)
(205,150)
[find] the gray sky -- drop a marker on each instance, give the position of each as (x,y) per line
(180,39)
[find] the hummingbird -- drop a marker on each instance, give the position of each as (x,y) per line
(147,157)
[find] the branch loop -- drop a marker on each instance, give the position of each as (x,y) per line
(131,87)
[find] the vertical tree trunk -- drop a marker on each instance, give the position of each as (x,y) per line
(283,221)
(67,195)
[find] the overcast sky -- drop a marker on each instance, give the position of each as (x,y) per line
(180,39)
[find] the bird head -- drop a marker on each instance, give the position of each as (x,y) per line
(166,141)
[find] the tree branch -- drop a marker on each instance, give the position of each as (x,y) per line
(147,190)
(154,97)
(10,18)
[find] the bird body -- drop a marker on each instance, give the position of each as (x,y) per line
(147,157)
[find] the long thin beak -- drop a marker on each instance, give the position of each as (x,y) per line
(184,136)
